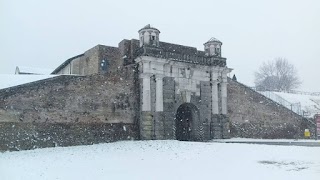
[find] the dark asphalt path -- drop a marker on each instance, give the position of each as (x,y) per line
(280,143)
(293,143)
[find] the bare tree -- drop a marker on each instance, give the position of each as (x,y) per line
(277,75)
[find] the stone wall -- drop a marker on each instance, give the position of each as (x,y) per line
(252,115)
(112,57)
(90,62)
(25,136)
(69,110)
(99,98)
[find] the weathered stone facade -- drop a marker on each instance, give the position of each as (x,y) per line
(176,80)
(95,98)
(142,89)
(69,110)
(96,60)
(17,136)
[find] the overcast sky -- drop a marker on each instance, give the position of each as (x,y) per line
(44,34)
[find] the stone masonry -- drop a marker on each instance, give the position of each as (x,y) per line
(252,115)
(175,80)
(142,89)
(69,110)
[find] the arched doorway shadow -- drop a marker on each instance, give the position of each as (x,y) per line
(187,117)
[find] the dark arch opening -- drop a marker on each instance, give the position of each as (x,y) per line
(186,116)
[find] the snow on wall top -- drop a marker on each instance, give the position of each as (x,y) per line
(10,80)
(32,70)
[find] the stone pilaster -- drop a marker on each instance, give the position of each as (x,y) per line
(146,116)
(224,98)
(159,93)
(226,128)
(169,107)
(146,94)
(215,98)
(215,127)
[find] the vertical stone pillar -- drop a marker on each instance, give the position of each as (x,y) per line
(215,92)
(224,98)
(159,129)
(146,117)
(168,107)
(159,93)
(215,126)
(225,119)
(146,95)
(215,97)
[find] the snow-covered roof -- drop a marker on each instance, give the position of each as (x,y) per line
(32,70)
(10,80)
(64,64)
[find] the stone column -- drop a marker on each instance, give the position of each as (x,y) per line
(146,95)
(146,118)
(215,92)
(224,97)
(159,93)
(215,97)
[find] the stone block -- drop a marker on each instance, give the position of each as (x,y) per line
(168,81)
(168,106)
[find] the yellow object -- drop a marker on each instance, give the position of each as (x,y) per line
(306,133)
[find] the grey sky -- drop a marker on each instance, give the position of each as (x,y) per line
(46,33)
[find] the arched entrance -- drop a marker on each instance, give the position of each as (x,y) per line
(187,117)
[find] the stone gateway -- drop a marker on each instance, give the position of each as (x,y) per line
(143,89)
(183,90)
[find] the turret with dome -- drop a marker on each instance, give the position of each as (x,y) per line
(213,47)
(149,35)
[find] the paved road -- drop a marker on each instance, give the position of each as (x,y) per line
(292,143)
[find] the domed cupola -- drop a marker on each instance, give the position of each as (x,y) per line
(213,47)
(149,36)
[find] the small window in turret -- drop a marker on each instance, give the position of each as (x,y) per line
(153,38)
(217,51)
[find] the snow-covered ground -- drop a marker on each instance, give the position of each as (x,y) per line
(9,80)
(165,160)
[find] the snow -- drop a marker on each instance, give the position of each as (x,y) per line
(308,102)
(139,160)
(9,80)
(34,70)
